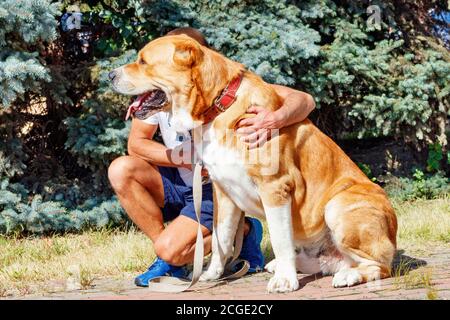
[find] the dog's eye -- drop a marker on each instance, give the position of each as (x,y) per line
(141,61)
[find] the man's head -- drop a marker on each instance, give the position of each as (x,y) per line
(175,73)
(190,32)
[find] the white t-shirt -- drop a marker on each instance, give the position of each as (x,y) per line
(173,139)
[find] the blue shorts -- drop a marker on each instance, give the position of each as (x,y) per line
(178,198)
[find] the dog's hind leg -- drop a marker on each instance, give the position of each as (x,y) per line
(226,220)
(363,229)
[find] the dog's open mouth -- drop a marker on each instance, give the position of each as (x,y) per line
(147,104)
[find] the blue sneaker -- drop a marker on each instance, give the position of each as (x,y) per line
(160,268)
(251,246)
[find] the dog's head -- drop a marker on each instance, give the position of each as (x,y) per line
(176,74)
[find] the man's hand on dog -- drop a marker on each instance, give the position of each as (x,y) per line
(255,131)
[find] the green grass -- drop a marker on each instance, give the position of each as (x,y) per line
(33,265)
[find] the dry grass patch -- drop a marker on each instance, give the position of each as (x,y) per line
(414,279)
(423,224)
(74,258)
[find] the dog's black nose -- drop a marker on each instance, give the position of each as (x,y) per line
(112,75)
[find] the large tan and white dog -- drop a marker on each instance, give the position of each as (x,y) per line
(323,213)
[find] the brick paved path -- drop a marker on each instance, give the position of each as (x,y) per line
(422,278)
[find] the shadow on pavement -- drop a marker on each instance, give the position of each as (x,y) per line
(404,264)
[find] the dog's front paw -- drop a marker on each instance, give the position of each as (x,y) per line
(347,278)
(283,283)
(212,273)
(271,266)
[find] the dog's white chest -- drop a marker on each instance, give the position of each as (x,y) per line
(226,168)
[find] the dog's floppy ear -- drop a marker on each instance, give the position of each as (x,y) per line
(187,53)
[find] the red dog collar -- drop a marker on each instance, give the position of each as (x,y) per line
(223,101)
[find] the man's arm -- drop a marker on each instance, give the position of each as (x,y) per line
(141,145)
(296,107)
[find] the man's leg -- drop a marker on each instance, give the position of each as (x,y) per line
(140,190)
(139,187)
(177,242)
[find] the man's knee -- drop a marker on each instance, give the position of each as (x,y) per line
(120,172)
(167,249)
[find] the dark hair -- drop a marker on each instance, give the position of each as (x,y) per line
(190,32)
